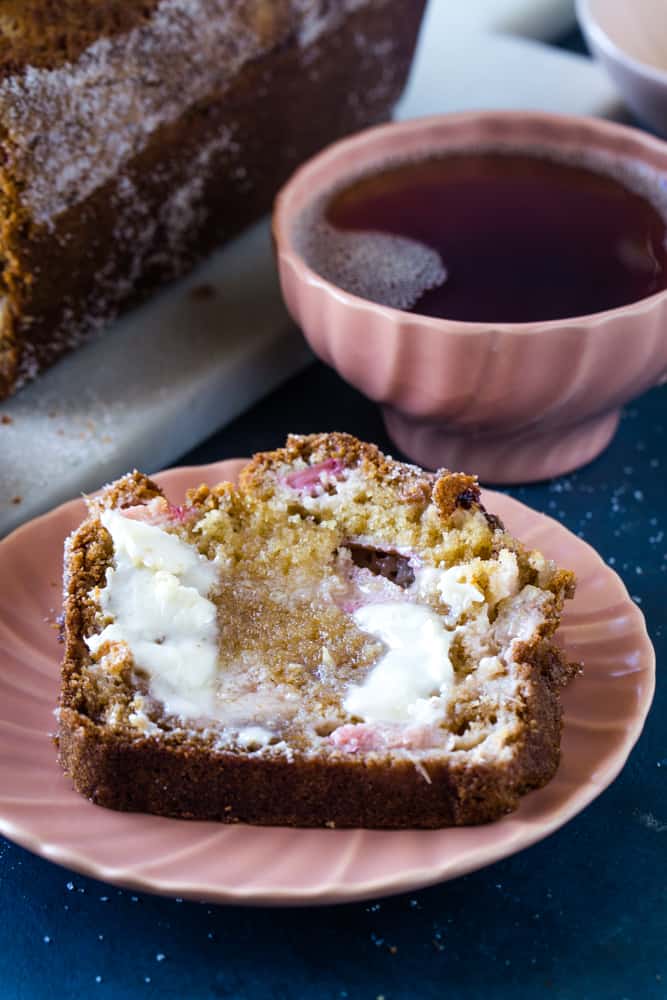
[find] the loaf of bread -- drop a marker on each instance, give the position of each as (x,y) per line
(136,136)
(341,640)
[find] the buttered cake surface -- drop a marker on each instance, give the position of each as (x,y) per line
(337,606)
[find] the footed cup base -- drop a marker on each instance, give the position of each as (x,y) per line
(522,457)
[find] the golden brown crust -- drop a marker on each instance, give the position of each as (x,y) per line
(416,485)
(131,489)
(189,782)
(49,33)
(67,277)
(184,780)
(181,774)
(448,490)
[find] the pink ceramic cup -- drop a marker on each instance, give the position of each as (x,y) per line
(513,402)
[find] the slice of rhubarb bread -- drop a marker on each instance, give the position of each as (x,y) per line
(341,639)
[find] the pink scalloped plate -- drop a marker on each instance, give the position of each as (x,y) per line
(605,709)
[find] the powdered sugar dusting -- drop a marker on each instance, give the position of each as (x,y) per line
(85,120)
(185,208)
(72,128)
(137,229)
(319,16)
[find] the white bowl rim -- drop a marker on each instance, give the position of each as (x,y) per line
(612,49)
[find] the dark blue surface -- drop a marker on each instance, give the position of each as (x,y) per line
(580,916)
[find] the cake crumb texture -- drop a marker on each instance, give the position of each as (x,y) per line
(318,539)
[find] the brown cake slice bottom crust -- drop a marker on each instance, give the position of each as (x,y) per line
(317,709)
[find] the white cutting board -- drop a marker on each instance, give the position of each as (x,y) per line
(172,372)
